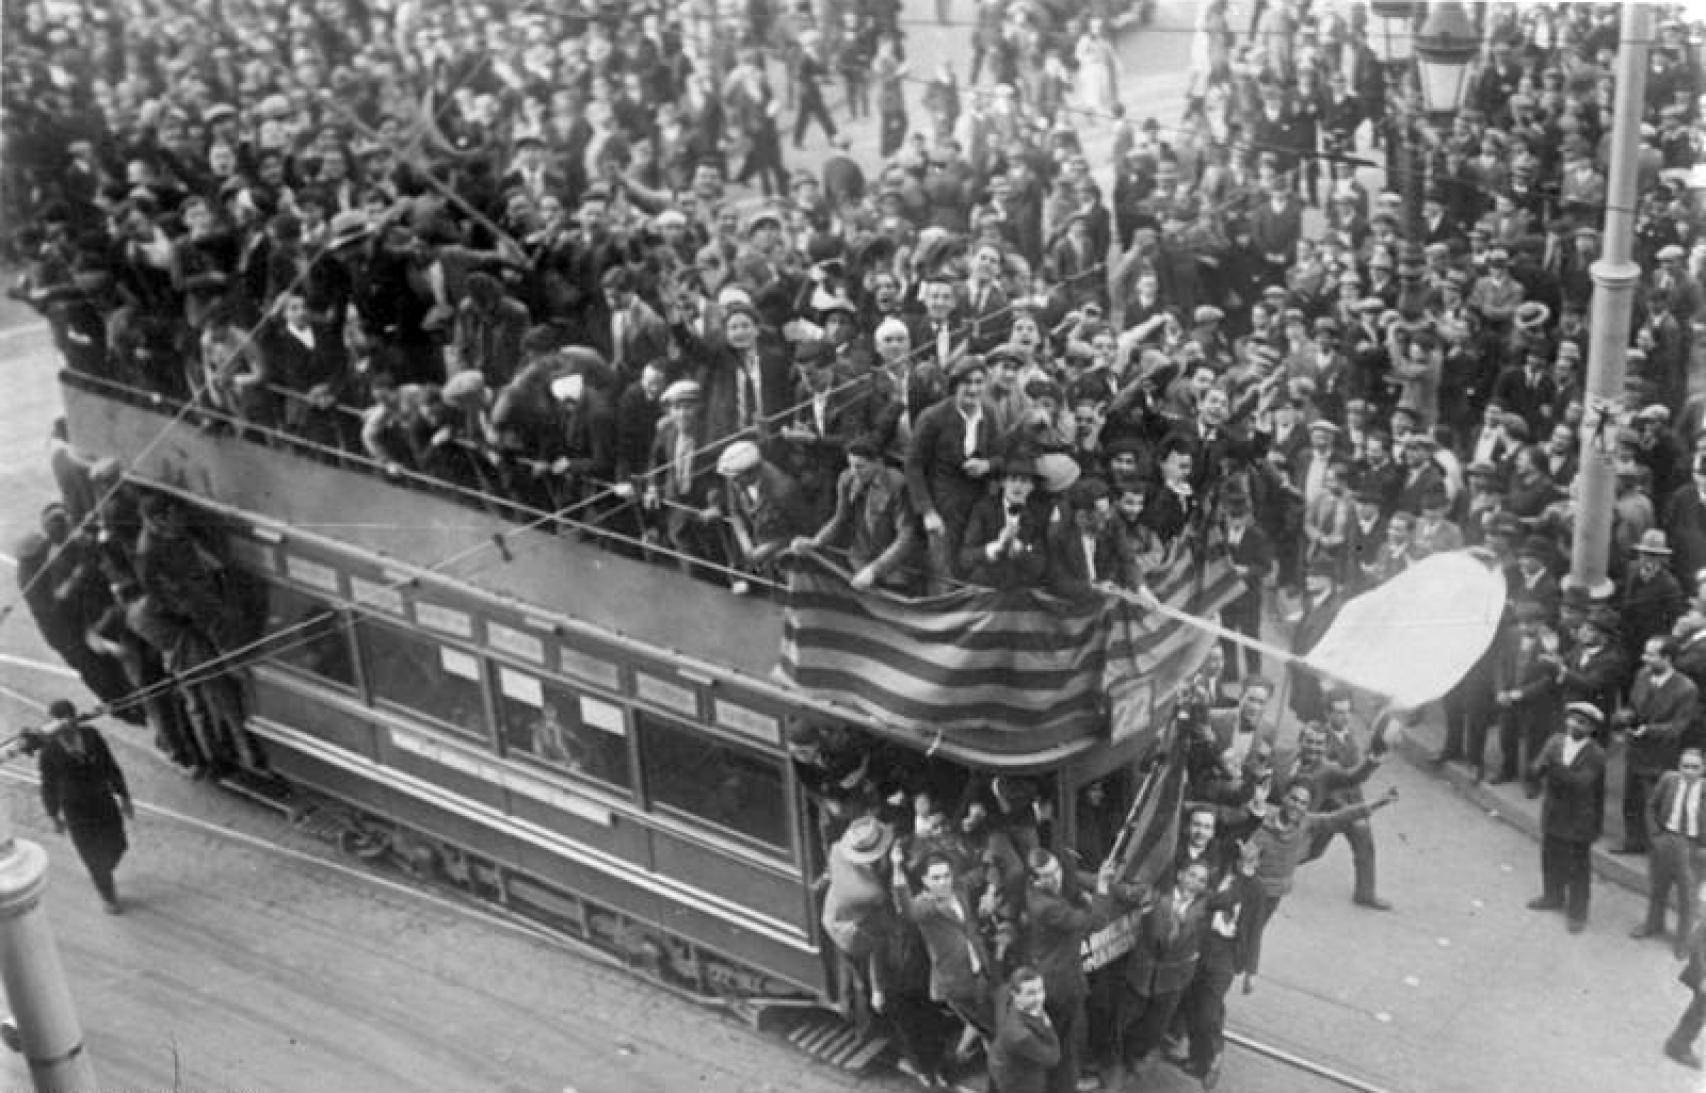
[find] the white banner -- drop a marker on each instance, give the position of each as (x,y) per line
(1415,636)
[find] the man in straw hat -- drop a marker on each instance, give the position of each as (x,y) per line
(1651,599)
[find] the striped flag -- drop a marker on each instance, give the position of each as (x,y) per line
(1003,661)
(973,659)
(1150,654)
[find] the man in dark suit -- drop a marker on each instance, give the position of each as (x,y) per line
(1163,961)
(764,508)
(632,334)
(1652,599)
(874,523)
(1594,670)
(1252,556)
(1200,842)
(1422,473)
(939,336)
(1534,581)
(1684,521)
(745,379)
(1025,1048)
(815,434)
(1571,770)
(1663,704)
(1204,1003)
(1528,391)
(1340,750)
(1173,504)
(949,464)
(1364,538)
(1055,929)
(1674,821)
(960,963)
(987,314)
(1525,689)
(1240,729)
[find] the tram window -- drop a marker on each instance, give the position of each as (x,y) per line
(583,735)
(313,638)
(730,787)
(435,680)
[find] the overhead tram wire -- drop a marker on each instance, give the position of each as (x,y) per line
(197,391)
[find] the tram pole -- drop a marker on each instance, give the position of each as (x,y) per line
(48,1033)
(1614,278)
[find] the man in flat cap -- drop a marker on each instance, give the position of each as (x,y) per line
(1571,770)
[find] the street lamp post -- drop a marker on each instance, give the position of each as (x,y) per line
(1392,38)
(1445,51)
(1615,276)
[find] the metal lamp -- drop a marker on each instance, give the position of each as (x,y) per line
(1445,51)
(1391,30)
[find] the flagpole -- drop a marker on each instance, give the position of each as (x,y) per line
(1138,799)
(1248,642)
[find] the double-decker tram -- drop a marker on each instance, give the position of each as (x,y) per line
(592,740)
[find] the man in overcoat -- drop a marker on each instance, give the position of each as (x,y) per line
(1571,770)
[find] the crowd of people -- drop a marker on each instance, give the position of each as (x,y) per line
(960,921)
(554,257)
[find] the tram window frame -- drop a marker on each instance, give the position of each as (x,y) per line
(433,651)
(650,727)
(573,725)
(340,623)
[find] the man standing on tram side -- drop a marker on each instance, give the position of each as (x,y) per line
(961,967)
(84,793)
(1055,927)
(1203,1008)
(1026,1047)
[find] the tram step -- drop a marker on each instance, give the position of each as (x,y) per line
(835,1042)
